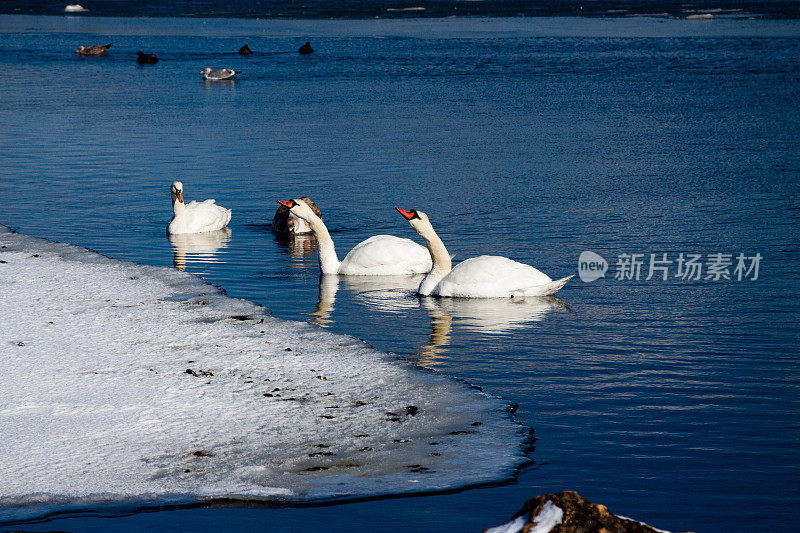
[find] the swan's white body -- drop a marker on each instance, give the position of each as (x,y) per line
(492,276)
(486,276)
(381,255)
(196,217)
(384,255)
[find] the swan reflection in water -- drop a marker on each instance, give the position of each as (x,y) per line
(397,295)
(496,315)
(300,246)
(198,247)
(484,316)
(328,286)
(391,294)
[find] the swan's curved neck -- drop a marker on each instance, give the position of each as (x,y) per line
(442,264)
(178,208)
(328,260)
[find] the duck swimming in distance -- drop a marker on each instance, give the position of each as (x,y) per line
(146,59)
(195,217)
(486,276)
(381,255)
(93,51)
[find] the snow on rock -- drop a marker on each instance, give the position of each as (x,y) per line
(545,520)
(512,526)
(548,517)
(568,512)
(130,383)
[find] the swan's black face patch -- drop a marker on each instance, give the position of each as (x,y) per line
(408,214)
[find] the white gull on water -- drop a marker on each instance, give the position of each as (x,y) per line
(130,383)
(219,74)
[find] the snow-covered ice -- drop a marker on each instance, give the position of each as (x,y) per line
(128,383)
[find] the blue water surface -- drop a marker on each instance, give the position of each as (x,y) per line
(676,402)
(354,9)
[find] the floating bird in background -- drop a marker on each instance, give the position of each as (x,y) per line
(75,8)
(217,75)
(195,217)
(146,59)
(306,49)
(245,50)
(94,50)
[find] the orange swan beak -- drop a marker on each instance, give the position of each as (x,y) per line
(407,214)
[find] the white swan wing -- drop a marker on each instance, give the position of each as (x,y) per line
(490,276)
(386,255)
(206,216)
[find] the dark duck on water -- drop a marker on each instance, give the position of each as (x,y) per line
(146,59)
(93,51)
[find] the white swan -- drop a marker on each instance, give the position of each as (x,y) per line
(381,255)
(486,276)
(195,217)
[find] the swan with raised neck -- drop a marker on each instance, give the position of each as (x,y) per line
(176,193)
(486,276)
(380,255)
(442,263)
(197,217)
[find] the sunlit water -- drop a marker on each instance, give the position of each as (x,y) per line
(676,402)
(367,9)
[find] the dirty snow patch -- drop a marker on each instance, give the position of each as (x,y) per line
(131,383)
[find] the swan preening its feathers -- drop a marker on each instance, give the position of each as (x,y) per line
(486,276)
(195,217)
(285,222)
(381,255)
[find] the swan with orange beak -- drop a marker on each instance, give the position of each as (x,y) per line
(197,217)
(381,255)
(486,276)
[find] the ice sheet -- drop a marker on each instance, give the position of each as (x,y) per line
(128,383)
